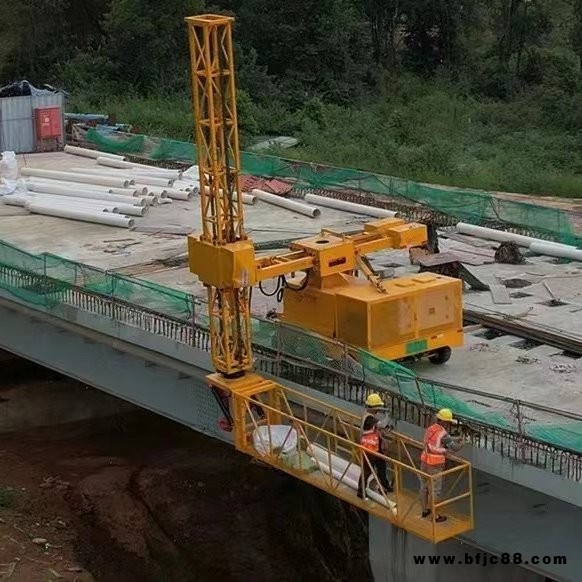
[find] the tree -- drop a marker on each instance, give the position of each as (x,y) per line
(520,23)
(386,18)
(147,43)
(310,46)
(433,32)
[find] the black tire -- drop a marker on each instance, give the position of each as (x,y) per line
(441,356)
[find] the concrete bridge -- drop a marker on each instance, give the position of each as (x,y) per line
(524,512)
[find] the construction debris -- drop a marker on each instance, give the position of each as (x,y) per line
(508,252)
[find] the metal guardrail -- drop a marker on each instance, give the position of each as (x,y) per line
(513,444)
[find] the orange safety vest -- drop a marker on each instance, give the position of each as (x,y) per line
(432,439)
(370,440)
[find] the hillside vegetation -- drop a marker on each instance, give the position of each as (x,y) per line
(476,93)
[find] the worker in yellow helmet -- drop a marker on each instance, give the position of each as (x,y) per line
(374,434)
(437,441)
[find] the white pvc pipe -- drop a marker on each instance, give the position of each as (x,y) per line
(145,180)
(553,250)
(86,153)
(178,194)
(126,192)
(82,178)
(502,236)
(350,206)
(129,191)
(82,193)
(107,218)
(140,168)
(292,205)
(151,200)
(156,191)
(246,198)
(131,210)
(73,202)
(186,184)
(15,199)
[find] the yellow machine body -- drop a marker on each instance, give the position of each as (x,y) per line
(416,314)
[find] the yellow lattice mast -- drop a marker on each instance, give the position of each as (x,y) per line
(222,256)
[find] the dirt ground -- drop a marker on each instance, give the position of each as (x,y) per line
(138,497)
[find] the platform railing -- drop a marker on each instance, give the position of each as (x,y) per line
(320,444)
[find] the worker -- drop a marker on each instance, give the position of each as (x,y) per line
(374,435)
(437,442)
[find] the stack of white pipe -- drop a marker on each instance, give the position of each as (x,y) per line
(79,213)
(140,168)
(160,182)
(99,180)
(75,202)
(64,191)
(311,211)
(86,153)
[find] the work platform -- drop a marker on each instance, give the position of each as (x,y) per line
(319,444)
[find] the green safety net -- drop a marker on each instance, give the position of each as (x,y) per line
(473,206)
(46,280)
(542,425)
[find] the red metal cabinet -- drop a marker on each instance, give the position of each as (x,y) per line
(48,122)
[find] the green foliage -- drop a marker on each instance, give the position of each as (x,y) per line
(463,92)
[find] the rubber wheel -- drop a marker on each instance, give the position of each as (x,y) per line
(441,356)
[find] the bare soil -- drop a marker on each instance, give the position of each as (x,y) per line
(138,497)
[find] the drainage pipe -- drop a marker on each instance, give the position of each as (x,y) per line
(125,175)
(82,178)
(186,184)
(107,218)
(292,205)
(86,153)
(82,193)
(82,203)
(502,236)
(350,206)
(249,199)
(129,191)
(140,168)
(553,250)
(178,194)
(151,200)
(156,191)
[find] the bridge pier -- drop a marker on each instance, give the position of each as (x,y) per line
(393,552)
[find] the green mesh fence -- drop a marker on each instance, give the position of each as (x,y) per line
(476,207)
(46,279)
(490,410)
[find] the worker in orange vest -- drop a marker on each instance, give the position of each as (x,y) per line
(437,441)
(376,423)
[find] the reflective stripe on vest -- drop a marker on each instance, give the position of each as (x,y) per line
(431,437)
(371,440)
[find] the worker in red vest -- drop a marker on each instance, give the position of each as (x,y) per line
(376,423)
(437,441)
